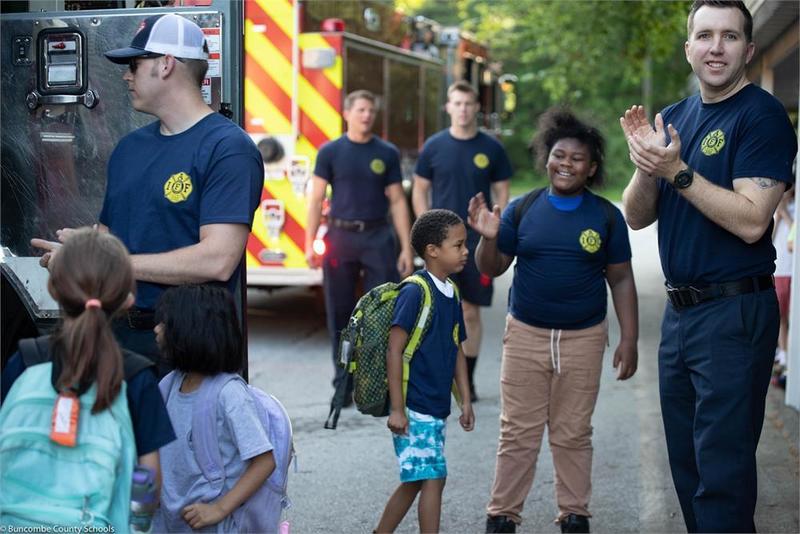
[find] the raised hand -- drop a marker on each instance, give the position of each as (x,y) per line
(634,123)
(657,159)
(483,221)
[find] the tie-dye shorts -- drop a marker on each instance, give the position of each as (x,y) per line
(421,452)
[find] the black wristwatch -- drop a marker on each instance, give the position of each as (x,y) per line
(684,178)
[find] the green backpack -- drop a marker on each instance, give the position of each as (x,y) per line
(365,341)
(50,486)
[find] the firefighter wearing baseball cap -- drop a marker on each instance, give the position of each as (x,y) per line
(182,190)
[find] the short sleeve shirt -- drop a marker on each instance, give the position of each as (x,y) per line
(433,365)
(162,188)
(241,437)
(359,174)
(745,136)
(559,277)
(461,168)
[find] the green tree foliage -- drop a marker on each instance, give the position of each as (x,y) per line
(598,57)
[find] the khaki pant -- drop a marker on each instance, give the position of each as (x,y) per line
(548,378)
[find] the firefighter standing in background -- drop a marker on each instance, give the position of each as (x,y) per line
(181,191)
(455,165)
(364,174)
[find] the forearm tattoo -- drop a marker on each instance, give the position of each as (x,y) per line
(765,183)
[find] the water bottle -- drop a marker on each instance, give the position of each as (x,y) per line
(144,499)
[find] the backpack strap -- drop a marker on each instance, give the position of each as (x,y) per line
(454,386)
(133,363)
(35,350)
(611,214)
(204,432)
(165,384)
(423,315)
(523,205)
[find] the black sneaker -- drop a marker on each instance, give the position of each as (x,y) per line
(575,523)
(500,523)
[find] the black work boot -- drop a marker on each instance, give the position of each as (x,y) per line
(575,523)
(500,523)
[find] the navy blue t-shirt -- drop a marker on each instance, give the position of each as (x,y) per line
(359,174)
(152,428)
(559,277)
(461,168)
(745,136)
(433,366)
(162,188)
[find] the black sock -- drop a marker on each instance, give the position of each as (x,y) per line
(471,361)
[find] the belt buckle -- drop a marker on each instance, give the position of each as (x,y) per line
(683,297)
(675,297)
(359,226)
(694,295)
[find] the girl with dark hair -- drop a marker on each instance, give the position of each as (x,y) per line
(91,277)
(198,333)
(568,243)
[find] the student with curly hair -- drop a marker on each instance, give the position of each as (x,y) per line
(568,243)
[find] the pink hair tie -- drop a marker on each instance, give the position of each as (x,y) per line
(93,303)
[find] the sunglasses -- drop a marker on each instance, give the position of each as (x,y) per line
(133,63)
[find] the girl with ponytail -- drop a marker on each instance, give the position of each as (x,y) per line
(91,278)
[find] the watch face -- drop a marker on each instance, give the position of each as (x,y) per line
(683,179)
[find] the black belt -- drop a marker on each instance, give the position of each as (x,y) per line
(139,319)
(357,226)
(685,296)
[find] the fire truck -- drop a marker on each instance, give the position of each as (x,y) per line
(64,107)
(280,68)
(301,58)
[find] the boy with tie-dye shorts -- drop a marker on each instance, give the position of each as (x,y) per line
(418,424)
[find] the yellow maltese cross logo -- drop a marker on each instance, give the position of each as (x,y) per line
(377,166)
(178,187)
(590,241)
(713,143)
(481,160)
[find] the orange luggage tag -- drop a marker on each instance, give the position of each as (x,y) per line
(64,427)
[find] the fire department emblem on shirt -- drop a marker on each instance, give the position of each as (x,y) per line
(377,166)
(713,143)
(590,241)
(178,187)
(481,160)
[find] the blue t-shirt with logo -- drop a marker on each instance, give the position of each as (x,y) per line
(359,174)
(745,136)
(433,366)
(461,168)
(162,188)
(559,276)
